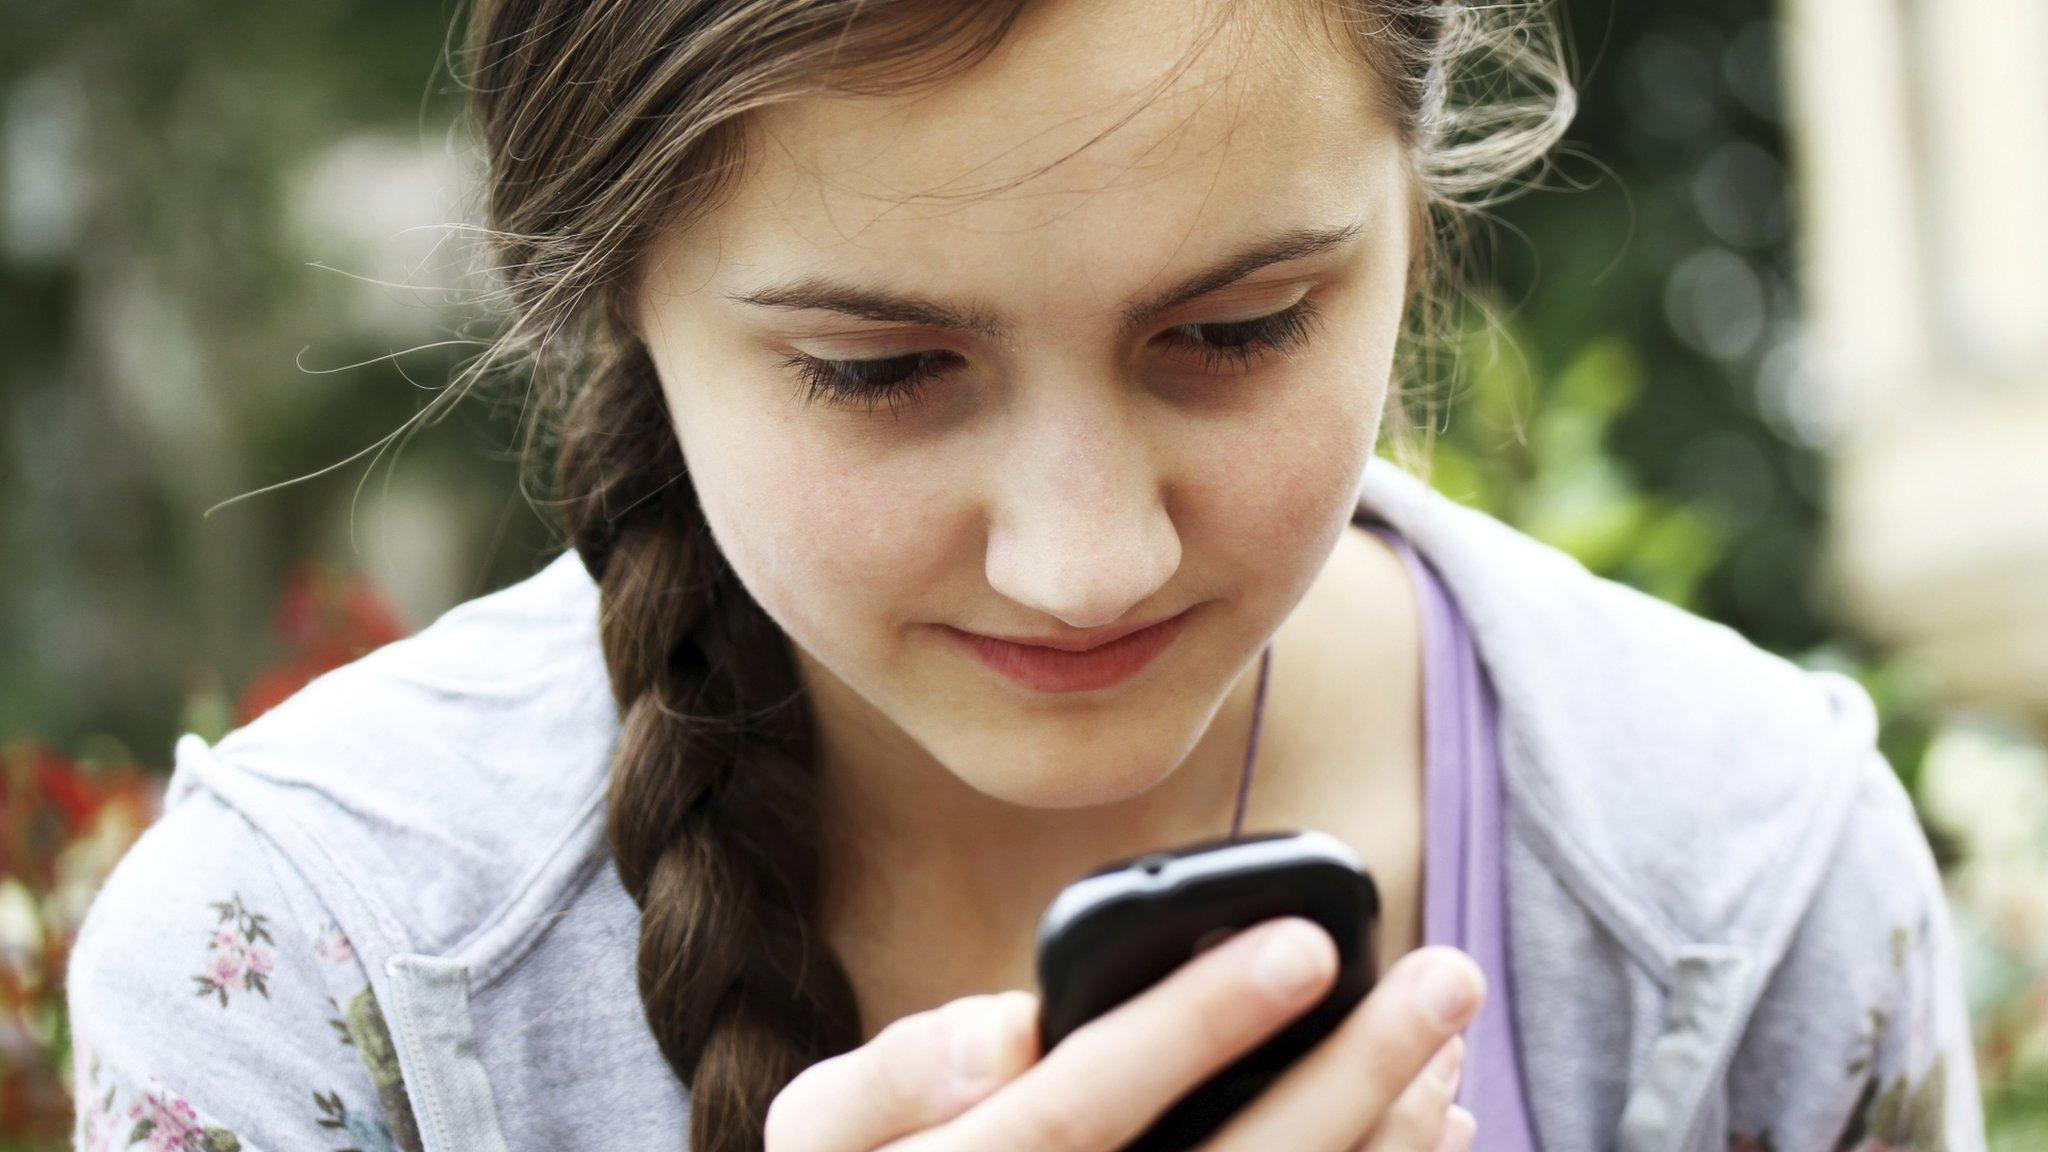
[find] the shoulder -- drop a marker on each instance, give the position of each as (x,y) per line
(425,786)
(1863,1030)
(1688,783)
(1884,898)
(211,998)
(198,883)
(1564,637)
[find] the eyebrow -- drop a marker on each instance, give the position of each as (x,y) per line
(825,294)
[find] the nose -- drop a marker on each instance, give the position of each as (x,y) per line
(1079,529)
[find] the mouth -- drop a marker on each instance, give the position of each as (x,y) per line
(1051,669)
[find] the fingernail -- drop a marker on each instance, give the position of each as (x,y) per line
(1448,1065)
(1450,988)
(1459,1130)
(1291,961)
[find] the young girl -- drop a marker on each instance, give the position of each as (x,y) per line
(965,430)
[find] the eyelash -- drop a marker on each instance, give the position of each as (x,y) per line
(842,381)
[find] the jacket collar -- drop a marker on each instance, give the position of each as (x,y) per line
(1687,786)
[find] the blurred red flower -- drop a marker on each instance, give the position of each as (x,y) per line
(65,823)
(325,618)
(48,802)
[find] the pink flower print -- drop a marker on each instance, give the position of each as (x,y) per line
(225,967)
(165,1120)
(101,1127)
(236,955)
(169,1123)
(333,947)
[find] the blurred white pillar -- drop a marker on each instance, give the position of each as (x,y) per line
(1920,139)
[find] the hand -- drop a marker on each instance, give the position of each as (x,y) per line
(1364,1088)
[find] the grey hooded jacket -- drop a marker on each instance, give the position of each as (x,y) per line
(1726,930)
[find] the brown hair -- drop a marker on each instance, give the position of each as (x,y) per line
(607,122)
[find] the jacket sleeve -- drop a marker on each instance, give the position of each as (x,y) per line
(214,1006)
(1919,1075)
(1862,1041)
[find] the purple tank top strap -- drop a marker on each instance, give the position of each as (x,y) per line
(1464,897)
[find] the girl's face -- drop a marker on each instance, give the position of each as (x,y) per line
(1144,382)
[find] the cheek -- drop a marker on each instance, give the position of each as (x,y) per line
(829,549)
(1278,485)
(1283,475)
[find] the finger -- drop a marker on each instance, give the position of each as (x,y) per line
(1460,1129)
(919,1071)
(1113,1076)
(1346,1084)
(1416,1121)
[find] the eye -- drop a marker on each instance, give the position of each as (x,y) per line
(899,381)
(896,380)
(1242,342)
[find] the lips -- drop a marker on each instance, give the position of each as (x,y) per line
(1092,641)
(1049,669)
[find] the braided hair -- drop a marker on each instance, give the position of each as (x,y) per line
(710,813)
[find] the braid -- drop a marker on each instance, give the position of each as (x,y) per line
(711,816)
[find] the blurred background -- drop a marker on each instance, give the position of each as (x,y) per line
(1773,348)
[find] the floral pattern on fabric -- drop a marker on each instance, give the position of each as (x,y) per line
(157,1118)
(112,1116)
(365,1031)
(364,1133)
(1900,1112)
(238,956)
(1908,1116)
(361,1026)
(333,947)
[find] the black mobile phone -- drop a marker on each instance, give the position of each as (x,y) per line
(1123,927)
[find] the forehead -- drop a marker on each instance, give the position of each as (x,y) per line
(1166,153)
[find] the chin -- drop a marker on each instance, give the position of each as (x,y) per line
(1070,768)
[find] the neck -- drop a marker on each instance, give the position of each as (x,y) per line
(902,831)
